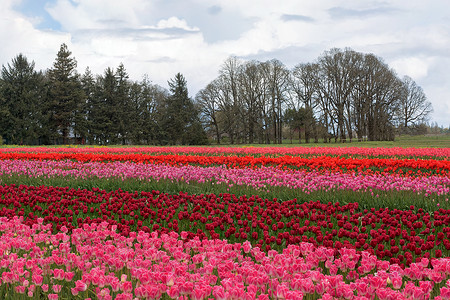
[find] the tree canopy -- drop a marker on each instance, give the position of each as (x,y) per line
(342,95)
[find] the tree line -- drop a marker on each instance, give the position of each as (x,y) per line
(61,106)
(343,95)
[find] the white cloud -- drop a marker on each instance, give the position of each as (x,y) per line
(163,37)
(414,67)
(20,36)
(113,46)
(174,22)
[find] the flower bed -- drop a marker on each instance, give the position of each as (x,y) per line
(347,223)
(402,237)
(277,151)
(95,261)
(262,178)
(329,163)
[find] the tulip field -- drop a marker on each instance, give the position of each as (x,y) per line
(224,223)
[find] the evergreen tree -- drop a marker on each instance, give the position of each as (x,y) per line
(6,119)
(152,112)
(113,113)
(176,113)
(124,106)
(65,94)
(196,134)
(182,122)
(83,125)
(295,119)
(103,116)
(144,98)
(22,92)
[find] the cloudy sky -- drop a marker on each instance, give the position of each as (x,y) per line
(163,37)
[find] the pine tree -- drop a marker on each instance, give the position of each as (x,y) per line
(22,92)
(152,112)
(177,109)
(103,116)
(182,122)
(65,94)
(83,123)
(124,107)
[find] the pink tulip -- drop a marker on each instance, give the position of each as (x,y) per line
(418,293)
(198,294)
(362,288)
(20,289)
(74,291)
(124,296)
(58,274)
(377,282)
(104,294)
(445,293)
(80,286)
(126,287)
(247,246)
(56,288)
(307,286)
(173,292)
(141,292)
(320,287)
(68,276)
(37,279)
(383,293)
(281,291)
(219,293)
(397,282)
(327,296)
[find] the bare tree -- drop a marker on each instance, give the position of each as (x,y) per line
(304,84)
(414,107)
(324,109)
(208,101)
(230,96)
(384,105)
(375,94)
(277,77)
(340,70)
(251,95)
(343,94)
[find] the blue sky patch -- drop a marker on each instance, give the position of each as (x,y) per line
(36,9)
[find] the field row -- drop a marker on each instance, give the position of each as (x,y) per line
(327,163)
(266,151)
